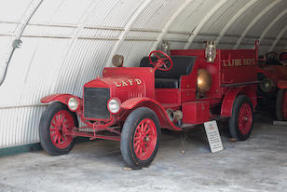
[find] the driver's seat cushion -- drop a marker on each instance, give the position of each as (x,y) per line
(182,65)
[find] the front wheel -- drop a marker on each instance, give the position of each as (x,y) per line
(140,138)
(242,121)
(55,122)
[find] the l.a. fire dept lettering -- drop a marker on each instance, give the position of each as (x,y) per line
(239,62)
(129,82)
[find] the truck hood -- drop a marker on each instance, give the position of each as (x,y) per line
(126,82)
(109,82)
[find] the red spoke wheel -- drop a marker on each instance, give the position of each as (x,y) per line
(242,120)
(55,124)
(145,139)
(245,118)
(281,105)
(140,138)
(61,123)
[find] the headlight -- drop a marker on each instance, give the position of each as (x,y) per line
(267,85)
(114,105)
(73,104)
(204,80)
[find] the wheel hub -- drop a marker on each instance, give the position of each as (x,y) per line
(146,139)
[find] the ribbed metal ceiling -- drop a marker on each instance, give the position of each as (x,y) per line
(68,42)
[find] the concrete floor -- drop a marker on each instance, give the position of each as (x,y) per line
(259,164)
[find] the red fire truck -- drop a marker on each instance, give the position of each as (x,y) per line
(132,104)
(272,73)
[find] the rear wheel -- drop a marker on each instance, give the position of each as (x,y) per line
(55,122)
(241,121)
(281,105)
(140,138)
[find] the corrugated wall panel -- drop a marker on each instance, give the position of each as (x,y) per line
(18,126)
(61,11)
(32,71)
(157,14)
(13,10)
(177,45)
(113,13)
(222,16)
(68,42)
(268,18)
(276,29)
(192,15)
(241,23)
(133,51)
(83,66)
(142,35)
(4,52)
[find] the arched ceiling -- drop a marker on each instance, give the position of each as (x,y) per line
(68,42)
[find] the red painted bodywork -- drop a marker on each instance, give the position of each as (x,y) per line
(274,72)
(198,112)
(229,78)
(282,84)
(63,98)
(276,69)
(226,109)
(233,72)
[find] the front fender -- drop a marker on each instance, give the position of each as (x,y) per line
(63,98)
(230,96)
(134,103)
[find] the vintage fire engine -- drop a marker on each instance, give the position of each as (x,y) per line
(131,104)
(272,73)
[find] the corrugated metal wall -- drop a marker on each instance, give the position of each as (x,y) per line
(68,42)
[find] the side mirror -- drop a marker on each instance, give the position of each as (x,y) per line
(118,60)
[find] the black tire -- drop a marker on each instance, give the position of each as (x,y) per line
(127,137)
(234,130)
(279,105)
(44,129)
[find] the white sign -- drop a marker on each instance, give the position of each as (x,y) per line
(213,136)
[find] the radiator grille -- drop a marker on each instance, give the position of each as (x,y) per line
(95,103)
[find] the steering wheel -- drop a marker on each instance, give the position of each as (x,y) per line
(163,62)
